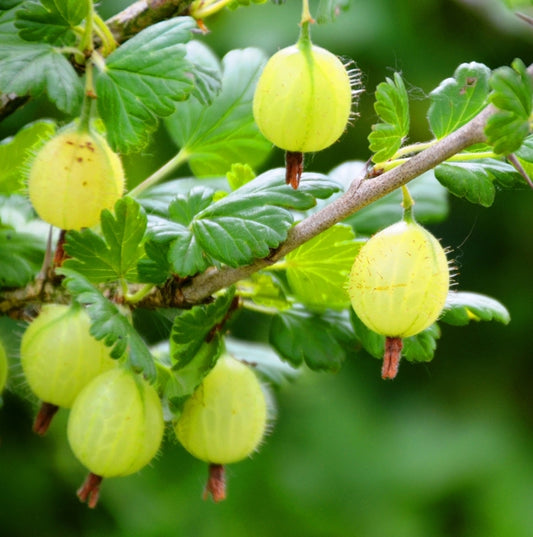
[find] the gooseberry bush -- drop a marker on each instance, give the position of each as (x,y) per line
(339,263)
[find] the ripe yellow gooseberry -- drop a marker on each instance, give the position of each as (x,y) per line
(224,420)
(59,357)
(398,285)
(303,98)
(115,427)
(74,176)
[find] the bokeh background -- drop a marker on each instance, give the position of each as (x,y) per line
(446,450)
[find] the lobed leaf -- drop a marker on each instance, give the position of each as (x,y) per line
(109,324)
(21,256)
(476,180)
(457,100)
(317,270)
(463,307)
(216,136)
(392,107)
(512,95)
(319,341)
(51,21)
(195,327)
(142,80)
(36,68)
(115,255)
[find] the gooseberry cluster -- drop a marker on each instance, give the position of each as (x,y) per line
(116,423)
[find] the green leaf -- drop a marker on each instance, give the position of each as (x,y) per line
(109,324)
(418,348)
(422,346)
(329,9)
(319,341)
(392,107)
(195,327)
(51,21)
(16,154)
(512,95)
(142,80)
(457,100)
(114,256)
(238,228)
(155,268)
(317,271)
(263,289)
(475,180)
(463,307)
(216,136)
(264,360)
(206,70)
(431,201)
(34,68)
(239,174)
(21,256)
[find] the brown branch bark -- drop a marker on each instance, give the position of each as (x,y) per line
(361,193)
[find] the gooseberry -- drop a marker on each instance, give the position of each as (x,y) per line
(59,357)
(115,428)
(303,99)
(398,285)
(224,420)
(74,176)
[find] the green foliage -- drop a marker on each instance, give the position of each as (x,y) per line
(323,348)
(463,307)
(317,270)
(115,255)
(512,94)
(476,181)
(392,107)
(216,136)
(142,80)
(17,152)
(110,324)
(457,100)
(51,21)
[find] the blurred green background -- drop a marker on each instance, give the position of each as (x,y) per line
(446,450)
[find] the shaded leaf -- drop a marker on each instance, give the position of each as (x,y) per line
(319,341)
(463,307)
(36,68)
(476,180)
(216,136)
(109,324)
(512,95)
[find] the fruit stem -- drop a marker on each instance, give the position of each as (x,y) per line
(159,174)
(304,40)
(90,490)
(44,418)
(104,33)
(294,167)
(407,204)
(202,9)
(216,483)
(86,43)
(391,358)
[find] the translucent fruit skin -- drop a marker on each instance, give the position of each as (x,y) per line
(73,178)
(3,368)
(226,417)
(59,356)
(399,281)
(303,99)
(116,425)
